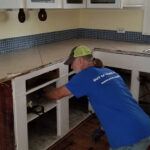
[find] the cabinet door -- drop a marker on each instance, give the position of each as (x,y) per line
(133,3)
(146,23)
(44,3)
(10,4)
(74,3)
(104,3)
(7,141)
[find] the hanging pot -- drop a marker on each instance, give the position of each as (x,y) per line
(42,15)
(21,16)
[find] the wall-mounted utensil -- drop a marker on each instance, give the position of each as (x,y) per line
(42,15)
(21,16)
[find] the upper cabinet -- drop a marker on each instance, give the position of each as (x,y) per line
(12,4)
(44,4)
(74,3)
(133,3)
(104,3)
(146,22)
(69,4)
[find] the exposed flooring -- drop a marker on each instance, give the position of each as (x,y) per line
(80,138)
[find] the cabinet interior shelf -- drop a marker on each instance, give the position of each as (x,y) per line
(47,104)
(41,86)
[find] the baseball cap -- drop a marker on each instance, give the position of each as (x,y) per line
(78,51)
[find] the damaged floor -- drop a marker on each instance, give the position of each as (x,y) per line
(80,138)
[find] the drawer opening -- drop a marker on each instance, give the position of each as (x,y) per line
(41,79)
(42,132)
(37,104)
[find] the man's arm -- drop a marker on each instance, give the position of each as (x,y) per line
(58,93)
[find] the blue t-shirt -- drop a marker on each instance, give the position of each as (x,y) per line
(124,122)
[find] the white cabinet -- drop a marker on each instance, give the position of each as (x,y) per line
(133,3)
(104,3)
(38,130)
(44,4)
(136,64)
(74,4)
(12,4)
(146,23)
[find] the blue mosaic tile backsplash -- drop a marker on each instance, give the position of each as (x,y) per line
(18,43)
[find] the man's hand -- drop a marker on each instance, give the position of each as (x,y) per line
(57,93)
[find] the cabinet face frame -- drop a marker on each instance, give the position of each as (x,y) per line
(56,4)
(117,4)
(20,110)
(74,5)
(136,64)
(13,4)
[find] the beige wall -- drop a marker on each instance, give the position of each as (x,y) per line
(131,20)
(57,20)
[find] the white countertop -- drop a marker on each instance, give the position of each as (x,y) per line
(25,60)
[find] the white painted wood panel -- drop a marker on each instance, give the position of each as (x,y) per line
(146,21)
(74,5)
(133,3)
(117,4)
(44,4)
(11,4)
(20,115)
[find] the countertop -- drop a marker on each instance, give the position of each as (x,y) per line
(25,60)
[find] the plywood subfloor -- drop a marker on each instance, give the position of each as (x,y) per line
(80,138)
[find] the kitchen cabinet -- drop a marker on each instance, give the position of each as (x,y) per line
(146,21)
(104,3)
(74,4)
(133,3)
(44,4)
(28,88)
(23,125)
(13,4)
(135,64)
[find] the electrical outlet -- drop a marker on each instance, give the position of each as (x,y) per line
(121,30)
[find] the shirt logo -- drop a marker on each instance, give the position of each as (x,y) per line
(108,75)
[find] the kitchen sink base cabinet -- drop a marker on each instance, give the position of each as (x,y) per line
(22,129)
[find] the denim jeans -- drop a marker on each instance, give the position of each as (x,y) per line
(142,145)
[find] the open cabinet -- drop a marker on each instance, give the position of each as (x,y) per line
(40,122)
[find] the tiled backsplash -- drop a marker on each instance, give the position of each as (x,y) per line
(13,44)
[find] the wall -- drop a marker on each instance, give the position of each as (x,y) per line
(57,20)
(129,19)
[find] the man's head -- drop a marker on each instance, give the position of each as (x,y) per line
(80,58)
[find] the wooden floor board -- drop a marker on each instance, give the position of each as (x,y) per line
(80,138)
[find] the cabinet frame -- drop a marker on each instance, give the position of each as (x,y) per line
(118,4)
(20,109)
(136,64)
(14,4)
(36,5)
(73,5)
